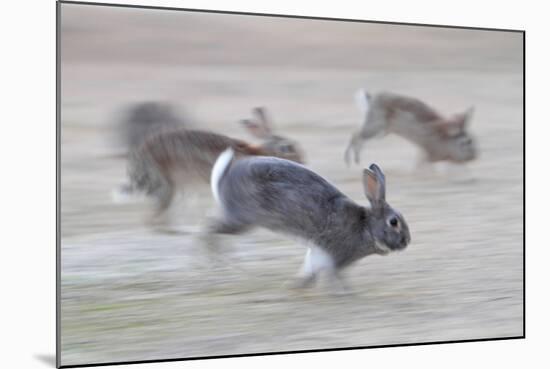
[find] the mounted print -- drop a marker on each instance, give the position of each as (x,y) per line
(248,184)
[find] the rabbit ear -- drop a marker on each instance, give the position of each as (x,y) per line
(462,119)
(456,124)
(255,129)
(261,113)
(374,184)
(263,119)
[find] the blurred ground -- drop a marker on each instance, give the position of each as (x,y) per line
(130,294)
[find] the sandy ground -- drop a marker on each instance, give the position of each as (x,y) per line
(131,294)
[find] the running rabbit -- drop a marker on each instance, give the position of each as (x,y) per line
(441,138)
(172,161)
(288,198)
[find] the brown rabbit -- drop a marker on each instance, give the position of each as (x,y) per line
(441,138)
(172,161)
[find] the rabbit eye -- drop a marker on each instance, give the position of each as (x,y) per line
(393,221)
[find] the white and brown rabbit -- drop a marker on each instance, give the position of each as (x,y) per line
(174,161)
(288,198)
(441,138)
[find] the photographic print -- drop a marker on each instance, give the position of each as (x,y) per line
(243,184)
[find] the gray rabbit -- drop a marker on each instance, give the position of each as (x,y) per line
(441,138)
(288,198)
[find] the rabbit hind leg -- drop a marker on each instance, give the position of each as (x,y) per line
(164,195)
(211,238)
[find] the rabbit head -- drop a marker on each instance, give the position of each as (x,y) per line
(460,145)
(386,225)
(273,145)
